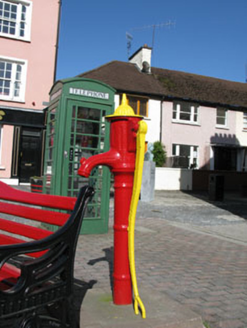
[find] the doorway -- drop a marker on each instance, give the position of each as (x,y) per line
(30,154)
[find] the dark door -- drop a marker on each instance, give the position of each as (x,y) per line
(30,154)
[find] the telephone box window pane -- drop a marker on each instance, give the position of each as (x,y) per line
(86,125)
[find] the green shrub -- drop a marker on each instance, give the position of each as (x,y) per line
(159,154)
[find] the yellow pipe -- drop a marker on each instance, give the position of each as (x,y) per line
(140,151)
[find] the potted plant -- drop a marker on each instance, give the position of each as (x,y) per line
(159,154)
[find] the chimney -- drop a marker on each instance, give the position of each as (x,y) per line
(142,58)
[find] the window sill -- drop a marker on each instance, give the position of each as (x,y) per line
(186,122)
(222,127)
(2,168)
(12,100)
(13,37)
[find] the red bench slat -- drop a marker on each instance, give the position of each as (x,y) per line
(9,240)
(9,271)
(59,202)
(8,276)
(36,214)
(23,230)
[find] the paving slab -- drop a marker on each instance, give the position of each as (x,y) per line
(99,311)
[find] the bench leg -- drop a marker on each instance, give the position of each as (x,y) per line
(60,315)
(41,322)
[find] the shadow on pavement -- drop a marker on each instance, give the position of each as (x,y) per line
(80,290)
(109,259)
(231,202)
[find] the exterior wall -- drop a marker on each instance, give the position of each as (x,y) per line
(117,101)
(6,151)
(240,132)
(173,179)
(202,134)
(198,180)
(153,121)
(39,53)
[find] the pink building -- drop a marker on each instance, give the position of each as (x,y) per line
(28,51)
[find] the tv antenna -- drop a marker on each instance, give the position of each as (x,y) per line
(129,38)
(153,26)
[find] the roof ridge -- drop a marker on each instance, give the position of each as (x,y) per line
(198,75)
(102,66)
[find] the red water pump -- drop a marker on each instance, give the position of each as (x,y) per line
(121,161)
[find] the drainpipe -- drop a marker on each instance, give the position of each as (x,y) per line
(161,117)
(57,41)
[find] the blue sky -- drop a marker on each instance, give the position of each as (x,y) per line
(209,37)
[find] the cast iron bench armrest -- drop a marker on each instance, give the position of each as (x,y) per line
(44,280)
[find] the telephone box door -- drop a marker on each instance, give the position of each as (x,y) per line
(87,134)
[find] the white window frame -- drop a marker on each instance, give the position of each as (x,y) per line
(245,121)
(194,154)
(15,62)
(28,18)
(225,125)
(178,110)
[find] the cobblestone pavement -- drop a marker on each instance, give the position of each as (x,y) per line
(193,250)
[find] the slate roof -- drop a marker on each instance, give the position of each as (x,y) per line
(169,84)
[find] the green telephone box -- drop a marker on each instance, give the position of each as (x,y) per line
(76,128)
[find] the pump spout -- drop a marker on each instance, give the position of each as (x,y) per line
(109,159)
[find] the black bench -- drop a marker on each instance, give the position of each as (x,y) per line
(37,264)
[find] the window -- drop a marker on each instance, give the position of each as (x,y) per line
(221,118)
(184,156)
(185,112)
(12,79)
(15,19)
(139,104)
(245,121)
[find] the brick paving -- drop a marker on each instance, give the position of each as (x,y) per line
(206,271)
(190,249)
